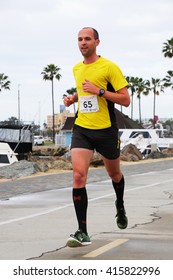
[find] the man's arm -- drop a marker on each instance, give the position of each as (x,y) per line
(120,97)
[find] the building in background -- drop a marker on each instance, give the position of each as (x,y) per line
(59,119)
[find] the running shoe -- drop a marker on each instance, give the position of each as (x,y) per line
(122,220)
(78,239)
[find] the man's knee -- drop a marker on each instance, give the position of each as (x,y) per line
(115,176)
(79,179)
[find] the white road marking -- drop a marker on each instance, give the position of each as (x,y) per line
(105,248)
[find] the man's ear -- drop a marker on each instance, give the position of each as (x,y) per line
(97,42)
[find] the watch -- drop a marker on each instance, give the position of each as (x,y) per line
(101,92)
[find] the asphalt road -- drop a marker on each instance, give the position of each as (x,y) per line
(37,216)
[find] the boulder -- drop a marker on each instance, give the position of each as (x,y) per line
(49,151)
(18,169)
(156,155)
(97,160)
(44,163)
(130,153)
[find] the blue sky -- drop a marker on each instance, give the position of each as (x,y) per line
(36,33)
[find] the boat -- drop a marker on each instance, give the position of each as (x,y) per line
(7,155)
(146,140)
(19,138)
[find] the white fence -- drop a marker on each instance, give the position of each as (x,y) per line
(60,140)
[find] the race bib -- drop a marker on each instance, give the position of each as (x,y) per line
(89,104)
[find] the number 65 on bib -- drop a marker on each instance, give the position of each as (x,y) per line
(89,104)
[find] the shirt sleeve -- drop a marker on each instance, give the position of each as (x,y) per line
(116,78)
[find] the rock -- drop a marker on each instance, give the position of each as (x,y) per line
(62,165)
(18,169)
(67,156)
(25,168)
(130,153)
(49,151)
(97,160)
(129,157)
(46,163)
(168,152)
(124,157)
(156,155)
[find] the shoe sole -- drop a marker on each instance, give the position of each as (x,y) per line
(73,243)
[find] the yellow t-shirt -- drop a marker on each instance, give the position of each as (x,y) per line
(93,110)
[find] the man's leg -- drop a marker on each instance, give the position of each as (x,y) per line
(80,161)
(113,169)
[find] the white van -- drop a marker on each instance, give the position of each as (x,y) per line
(38,140)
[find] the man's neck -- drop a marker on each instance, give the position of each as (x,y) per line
(91,59)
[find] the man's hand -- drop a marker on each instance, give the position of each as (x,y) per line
(68,100)
(87,86)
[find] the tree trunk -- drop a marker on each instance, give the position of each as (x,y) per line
(53,118)
(140,120)
(132,106)
(154,109)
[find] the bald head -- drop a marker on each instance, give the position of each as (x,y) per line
(95,32)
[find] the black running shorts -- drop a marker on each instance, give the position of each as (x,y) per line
(104,141)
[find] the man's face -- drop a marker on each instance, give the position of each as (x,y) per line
(86,42)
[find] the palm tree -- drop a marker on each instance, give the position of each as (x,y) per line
(168,80)
(132,81)
(168,48)
(4,82)
(157,87)
(142,87)
(50,72)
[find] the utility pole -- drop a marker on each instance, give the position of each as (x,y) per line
(19,104)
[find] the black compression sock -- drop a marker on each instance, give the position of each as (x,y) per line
(119,190)
(80,201)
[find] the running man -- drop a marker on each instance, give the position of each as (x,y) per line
(100,84)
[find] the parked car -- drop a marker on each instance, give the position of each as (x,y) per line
(38,140)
